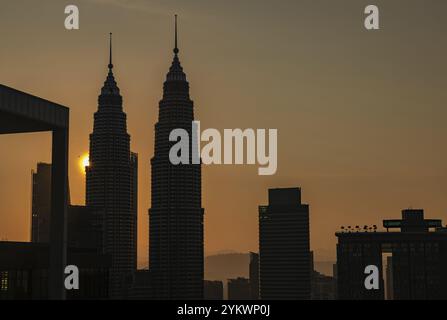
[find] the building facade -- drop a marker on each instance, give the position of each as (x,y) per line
(134,197)
(176,213)
(284,249)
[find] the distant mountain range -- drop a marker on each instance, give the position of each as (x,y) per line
(227,266)
(232,265)
(224,266)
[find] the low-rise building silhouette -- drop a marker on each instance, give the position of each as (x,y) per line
(212,290)
(254,275)
(24,270)
(323,287)
(239,289)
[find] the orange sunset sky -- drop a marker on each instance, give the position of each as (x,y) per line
(361,115)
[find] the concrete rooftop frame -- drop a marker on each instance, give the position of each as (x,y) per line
(20,113)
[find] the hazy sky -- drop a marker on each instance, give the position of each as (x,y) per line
(361,116)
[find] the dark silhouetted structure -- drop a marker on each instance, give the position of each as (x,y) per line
(323,287)
(20,113)
(284,254)
(110,185)
(389,278)
(83,228)
(335,275)
(254,275)
(239,289)
(41,203)
(419,259)
(176,214)
(134,196)
(142,286)
(212,290)
(24,272)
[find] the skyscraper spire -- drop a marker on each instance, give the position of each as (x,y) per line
(176,47)
(110,51)
(110,86)
(176,71)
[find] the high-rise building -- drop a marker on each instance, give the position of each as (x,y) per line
(416,254)
(284,254)
(254,275)
(110,193)
(176,214)
(41,203)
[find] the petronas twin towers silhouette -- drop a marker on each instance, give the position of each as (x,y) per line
(176,213)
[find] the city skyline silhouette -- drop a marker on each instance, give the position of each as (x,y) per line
(363,138)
